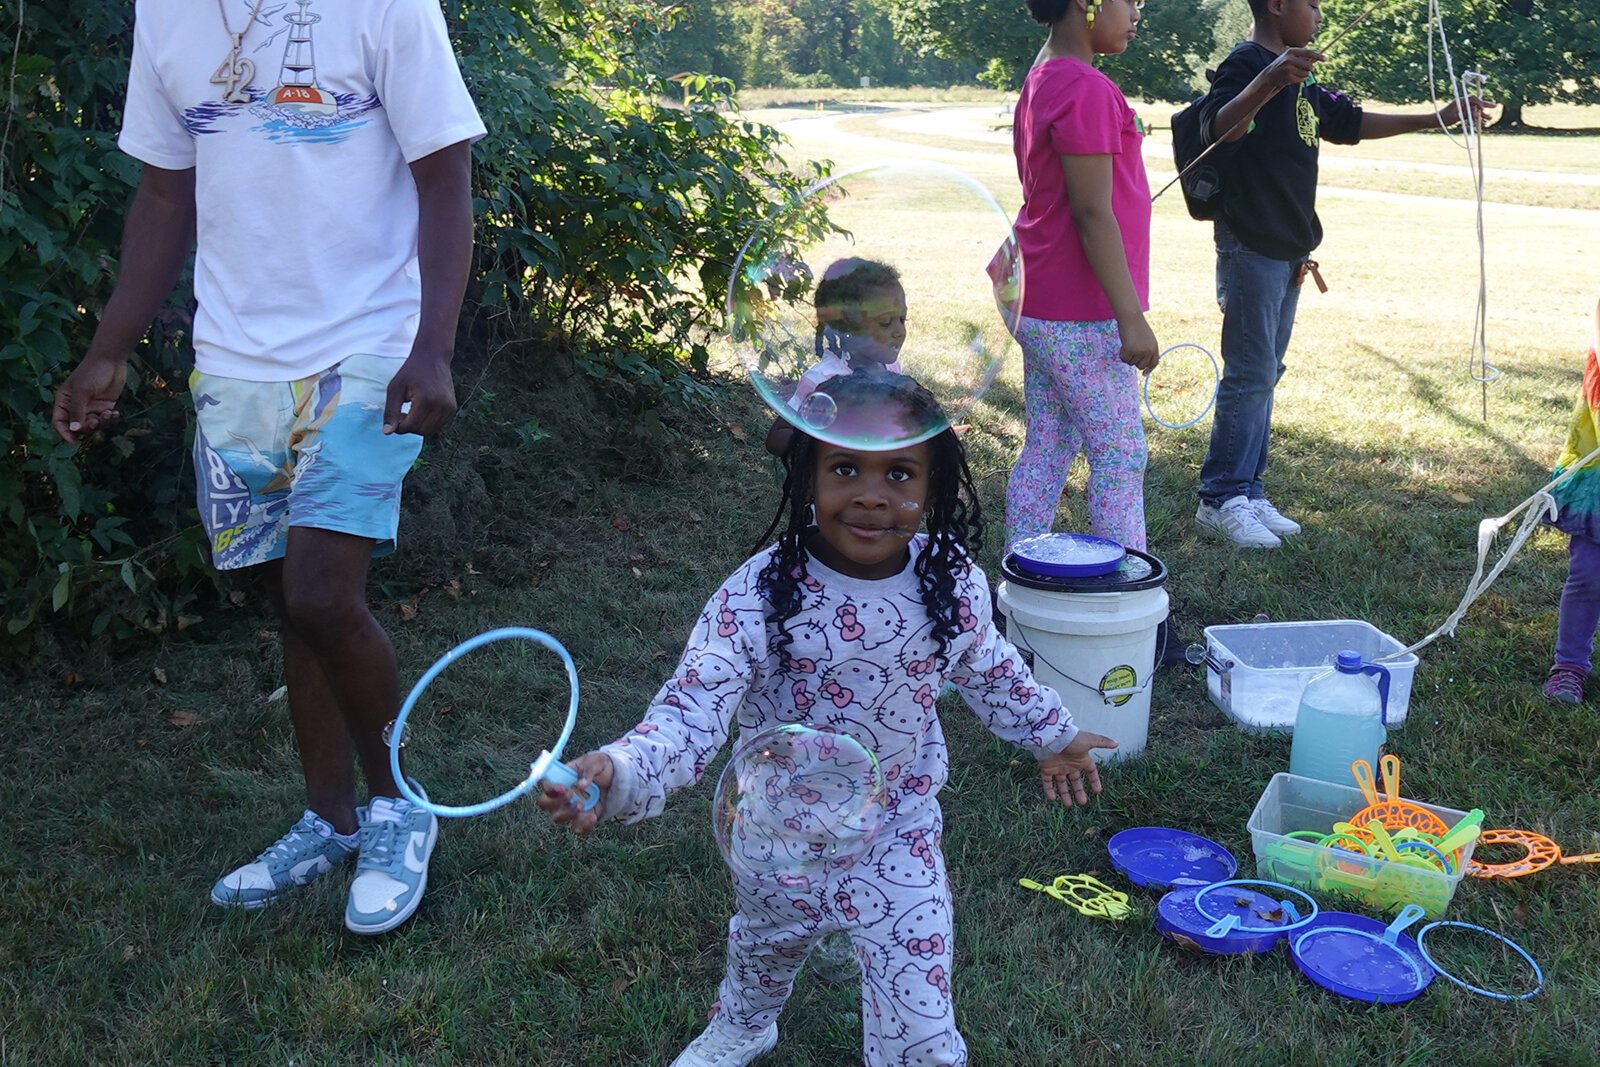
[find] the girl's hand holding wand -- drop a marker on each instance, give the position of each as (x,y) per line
(566,805)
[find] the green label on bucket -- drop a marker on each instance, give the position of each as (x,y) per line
(1121,677)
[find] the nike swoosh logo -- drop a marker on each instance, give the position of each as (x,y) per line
(305,870)
(416,862)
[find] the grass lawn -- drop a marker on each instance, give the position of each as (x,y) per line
(138,774)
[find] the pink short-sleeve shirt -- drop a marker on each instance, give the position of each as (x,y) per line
(1069,108)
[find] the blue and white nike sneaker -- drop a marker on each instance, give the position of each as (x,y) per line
(308,851)
(396,840)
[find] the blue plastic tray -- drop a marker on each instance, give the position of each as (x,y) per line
(1163,857)
(1345,953)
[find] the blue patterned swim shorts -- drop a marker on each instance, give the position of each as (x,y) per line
(312,452)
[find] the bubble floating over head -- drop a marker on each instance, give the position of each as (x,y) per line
(897,269)
(795,803)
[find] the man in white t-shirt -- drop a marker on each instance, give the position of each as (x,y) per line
(322,172)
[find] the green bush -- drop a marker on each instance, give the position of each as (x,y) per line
(86,533)
(606,219)
(607,215)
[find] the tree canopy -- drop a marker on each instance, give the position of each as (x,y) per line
(1531,51)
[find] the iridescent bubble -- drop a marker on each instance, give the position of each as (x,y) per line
(818,410)
(797,803)
(893,269)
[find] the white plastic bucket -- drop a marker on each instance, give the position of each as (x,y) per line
(1093,641)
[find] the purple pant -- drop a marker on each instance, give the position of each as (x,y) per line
(1580,607)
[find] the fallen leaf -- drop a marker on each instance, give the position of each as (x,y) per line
(278,694)
(620,523)
(1461,498)
(1520,913)
(1185,942)
(637,573)
(408,612)
(620,984)
(236,597)
(186,718)
(657,656)
(695,517)
(738,432)
(139,742)
(453,590)
(72,680)
(158,676)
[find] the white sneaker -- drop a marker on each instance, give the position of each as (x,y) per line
(1273,519)
(1236,520)
(397,838)
(725,1045)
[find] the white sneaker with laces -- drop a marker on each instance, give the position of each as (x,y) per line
(1273,519)
(1236,520)
(308,851)
(722,1044)
(397,838)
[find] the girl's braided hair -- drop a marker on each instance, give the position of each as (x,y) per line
(952,515)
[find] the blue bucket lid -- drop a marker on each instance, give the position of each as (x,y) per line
(1250,920)
(1163,857)
(1137,570)
(1068,555)
(1353,956)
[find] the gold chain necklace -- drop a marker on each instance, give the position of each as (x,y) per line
(236,72)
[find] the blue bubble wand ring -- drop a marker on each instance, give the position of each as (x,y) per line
(1211,400)
(548,768)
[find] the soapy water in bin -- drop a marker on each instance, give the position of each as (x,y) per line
(1053,548)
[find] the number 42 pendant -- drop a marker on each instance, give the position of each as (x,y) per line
(235,74)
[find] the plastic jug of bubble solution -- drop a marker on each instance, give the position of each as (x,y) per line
(1343,717)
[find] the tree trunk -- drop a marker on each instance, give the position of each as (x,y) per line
(1510,116)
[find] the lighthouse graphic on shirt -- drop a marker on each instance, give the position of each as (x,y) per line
(299,108)
(298,92)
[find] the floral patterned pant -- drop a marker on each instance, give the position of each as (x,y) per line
(1081,398)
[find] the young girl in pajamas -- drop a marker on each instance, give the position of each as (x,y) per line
(852,621)
(1084,237)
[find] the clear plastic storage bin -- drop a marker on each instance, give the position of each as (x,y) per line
(1255,672)
(1292,803)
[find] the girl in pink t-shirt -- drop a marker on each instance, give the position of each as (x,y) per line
(1084,237)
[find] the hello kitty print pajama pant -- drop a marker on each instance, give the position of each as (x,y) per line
(895,905)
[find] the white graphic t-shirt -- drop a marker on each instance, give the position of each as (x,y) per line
(306,209)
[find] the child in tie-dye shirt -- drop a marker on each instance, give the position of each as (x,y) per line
(852,622)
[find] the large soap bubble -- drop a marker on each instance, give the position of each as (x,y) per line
(905,268)
(796,803)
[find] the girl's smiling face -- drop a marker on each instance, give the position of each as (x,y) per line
(869,505)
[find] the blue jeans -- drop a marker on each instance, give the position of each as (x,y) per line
(1258,296)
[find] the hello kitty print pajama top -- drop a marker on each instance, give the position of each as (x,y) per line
(863,661)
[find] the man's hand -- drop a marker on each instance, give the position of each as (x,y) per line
(423,382)
(1450,114)
(87,400)
(1292,67)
